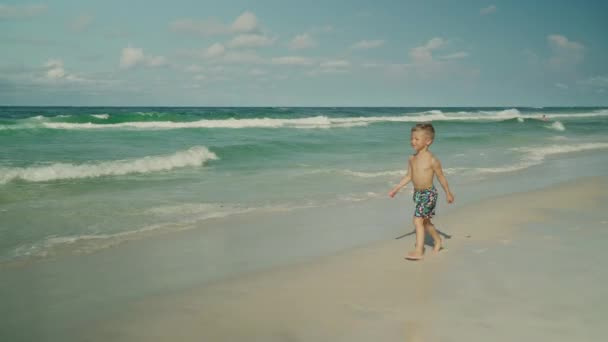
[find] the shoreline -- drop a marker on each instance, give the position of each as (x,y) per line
(358,294)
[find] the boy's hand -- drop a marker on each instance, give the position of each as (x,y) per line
(450,198)
(393,193)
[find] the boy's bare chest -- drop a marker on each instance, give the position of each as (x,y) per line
(421,164)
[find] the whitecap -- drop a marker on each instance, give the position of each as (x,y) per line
(194,156)
(101,116)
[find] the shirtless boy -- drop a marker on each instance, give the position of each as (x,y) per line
(422,168)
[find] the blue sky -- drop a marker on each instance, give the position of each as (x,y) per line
(304,53)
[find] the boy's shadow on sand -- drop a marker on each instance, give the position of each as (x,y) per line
(428,240)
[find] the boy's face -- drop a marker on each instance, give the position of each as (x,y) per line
(420,140)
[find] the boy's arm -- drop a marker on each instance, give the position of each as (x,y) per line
(406,179)
(436,165)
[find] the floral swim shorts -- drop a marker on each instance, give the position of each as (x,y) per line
(425,201)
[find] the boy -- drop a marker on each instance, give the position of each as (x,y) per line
(421,169)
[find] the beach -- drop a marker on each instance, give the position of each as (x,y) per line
(513,268)
(274,224)
(502,277)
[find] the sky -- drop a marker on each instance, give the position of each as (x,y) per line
(304,53)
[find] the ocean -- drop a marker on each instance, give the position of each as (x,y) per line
(75,180)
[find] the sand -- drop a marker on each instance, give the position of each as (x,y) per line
(362,294)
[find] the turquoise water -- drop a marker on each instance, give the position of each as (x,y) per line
(101,175)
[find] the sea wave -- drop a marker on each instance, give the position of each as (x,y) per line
(536,155)
(173,218)
(101,116)
(531,156)
(374,174)
(540,153)
(89,243)
(194,156)
(302,123)
(557,126)
(310,122)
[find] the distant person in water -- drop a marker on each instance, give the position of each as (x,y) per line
(545,118)
(422,168)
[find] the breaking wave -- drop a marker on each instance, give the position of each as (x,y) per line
(194,156)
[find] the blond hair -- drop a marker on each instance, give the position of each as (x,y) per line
(426,127)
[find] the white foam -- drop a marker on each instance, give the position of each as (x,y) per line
(540,153)
(358,197)
(536,155)
(179,217)
(359,174)
(319,121)
(503,169)
(597,113)
(375,174)
(558,126)
(194,156)
(309,122)
(101,116)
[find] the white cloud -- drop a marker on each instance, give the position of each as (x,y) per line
(488,10)
(423,54)
(302,41)
(291,60)
(81,23)
(250,40)
(457,55)
(214,51)
(242,57)
(55,69)
(368,44)
(156,61)
(424,64)
(19,12)
(563,42)
(332,66)
(132,57)
(339,63)
(566,53)
(218,53)
(245,23)
(561,85)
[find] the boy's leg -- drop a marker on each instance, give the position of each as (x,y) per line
(419,251)
(430,227)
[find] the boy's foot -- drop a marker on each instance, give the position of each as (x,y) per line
(414,255)
(437,246)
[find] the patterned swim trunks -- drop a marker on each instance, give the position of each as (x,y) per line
(425,201)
